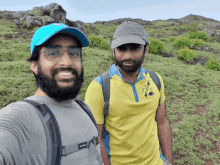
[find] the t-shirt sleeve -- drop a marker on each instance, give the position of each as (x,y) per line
(162,95)
(14,135)
(94,98)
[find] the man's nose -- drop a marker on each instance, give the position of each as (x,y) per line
(127,54)
(65,59)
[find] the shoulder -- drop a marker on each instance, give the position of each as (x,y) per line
(18,109)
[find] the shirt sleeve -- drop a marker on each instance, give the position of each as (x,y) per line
(14,135)
(94,98)
(162,95)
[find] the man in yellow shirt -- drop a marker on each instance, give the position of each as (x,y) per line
(137,109)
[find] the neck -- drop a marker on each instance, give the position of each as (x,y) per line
(39,92)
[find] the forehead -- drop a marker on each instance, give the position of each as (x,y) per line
(63,40)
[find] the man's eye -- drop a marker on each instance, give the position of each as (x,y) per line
(135,47)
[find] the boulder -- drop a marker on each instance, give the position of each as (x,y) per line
(71,23)
(171,24)
(58,14)
(33,22)
(42,11)
(46,20)
(19,23)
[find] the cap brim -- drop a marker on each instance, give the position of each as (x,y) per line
(72,31)
(125,40)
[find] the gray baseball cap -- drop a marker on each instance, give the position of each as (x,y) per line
(129,32)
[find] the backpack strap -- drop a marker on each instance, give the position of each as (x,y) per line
(51,130)
(155,79)
(106,94)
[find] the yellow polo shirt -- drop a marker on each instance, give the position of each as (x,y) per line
(131,130)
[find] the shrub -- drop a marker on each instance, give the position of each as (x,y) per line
(34,29)
(186,54)
(213,64)
(174,27)
(156,46)
(191,27)
(198,35)
(97,41)
(197,42)
(181,42)
(172,39)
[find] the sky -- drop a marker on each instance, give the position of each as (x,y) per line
(89,11)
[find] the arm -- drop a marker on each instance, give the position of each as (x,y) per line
(164,132)
(102,146)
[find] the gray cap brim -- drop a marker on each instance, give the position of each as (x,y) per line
(125,40)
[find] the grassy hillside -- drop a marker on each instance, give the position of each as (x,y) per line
(192,91)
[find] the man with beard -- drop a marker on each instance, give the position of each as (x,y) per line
(136,106)
(56,61)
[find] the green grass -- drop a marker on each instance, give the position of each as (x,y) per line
(192,91)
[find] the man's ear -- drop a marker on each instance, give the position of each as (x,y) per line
(113,53)
(34,66)
(146,51)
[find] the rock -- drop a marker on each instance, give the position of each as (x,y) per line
(19,24)
(46,20)
(206,48)
(71,23)
(0,28)
(92,27)
(171,24)
(58,14)
(102,36)
(33,22)
(42,11)
(80,27)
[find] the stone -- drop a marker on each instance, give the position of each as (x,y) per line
(171,24)
(102,36)
(58,14)
(19,24)
(0,28)
(92,27)
(46,20)
(42,11)
(33,22)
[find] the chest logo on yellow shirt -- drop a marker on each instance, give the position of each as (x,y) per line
(146,89)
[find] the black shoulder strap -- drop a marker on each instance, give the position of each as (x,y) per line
(106,93)
(51,130)
(155,78)
(85,108)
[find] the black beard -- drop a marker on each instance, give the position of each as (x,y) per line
(129,69)
(50,87)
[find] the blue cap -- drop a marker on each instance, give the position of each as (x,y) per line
(44,33)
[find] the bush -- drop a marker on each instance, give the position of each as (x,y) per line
(156,46)
(186,54)
(197,42)
(35,28)
(172,39)
(192,27)
(97,41)
(181,42)
(213,64)
(198,35)
(174,27)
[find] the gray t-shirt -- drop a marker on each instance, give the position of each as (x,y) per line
(23,139)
